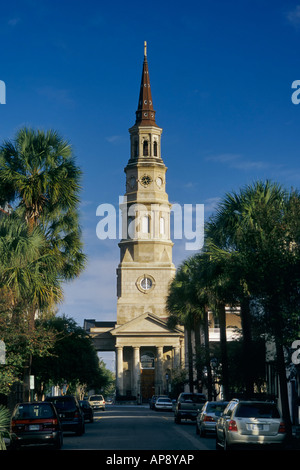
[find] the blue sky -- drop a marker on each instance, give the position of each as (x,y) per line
(221,75)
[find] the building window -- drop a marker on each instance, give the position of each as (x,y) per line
(147,360)
(135,149)
(155,148)
(145,148)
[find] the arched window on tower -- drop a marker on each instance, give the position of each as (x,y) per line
(131,227)
(135,148)
(145,148)
(155,148)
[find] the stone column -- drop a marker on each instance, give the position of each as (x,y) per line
(119,371)
(182,353)
(176,356)
(136,371)
(159,370)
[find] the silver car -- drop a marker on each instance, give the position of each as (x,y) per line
(208,416)
(246,423)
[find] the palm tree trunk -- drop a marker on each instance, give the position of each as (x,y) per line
(190,358)
(27,371)
(223,346)
(207,355)
(247,347)
(197,327)
(283,387)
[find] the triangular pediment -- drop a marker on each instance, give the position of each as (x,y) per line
(147,323)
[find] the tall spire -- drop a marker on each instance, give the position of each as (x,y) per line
(145,114)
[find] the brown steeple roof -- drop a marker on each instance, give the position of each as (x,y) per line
(145,114)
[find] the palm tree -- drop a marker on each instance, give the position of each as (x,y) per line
(4,426)
(187,305)
(27,273)
(254,231)
(27,267)
(40,179)
(179,307)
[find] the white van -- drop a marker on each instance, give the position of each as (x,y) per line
(97,401)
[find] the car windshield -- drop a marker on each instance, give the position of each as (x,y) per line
(190,398)
(34,411)
(96,398)
(257,410)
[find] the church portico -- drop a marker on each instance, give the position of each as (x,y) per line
(143,371)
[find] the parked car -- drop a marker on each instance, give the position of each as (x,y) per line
(188,406)
(97,401)
(153,399)
(208,416)
(70,413)
(87,410)
(163,404)
(246,423)
(36,423)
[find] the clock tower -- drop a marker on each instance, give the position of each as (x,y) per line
(147,350)
(146,267)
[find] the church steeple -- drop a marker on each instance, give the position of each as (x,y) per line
(145,135)
(145,114)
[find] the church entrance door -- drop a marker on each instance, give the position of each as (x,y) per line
(147,384)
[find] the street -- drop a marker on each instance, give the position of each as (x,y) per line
(126,428)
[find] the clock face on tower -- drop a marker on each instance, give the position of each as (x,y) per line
(145,283)
(159,182)
(145,180)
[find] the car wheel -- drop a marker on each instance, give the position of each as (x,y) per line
(81,430)
(226,445)
(59,443)
(218,445)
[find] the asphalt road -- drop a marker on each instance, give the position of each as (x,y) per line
(124,428)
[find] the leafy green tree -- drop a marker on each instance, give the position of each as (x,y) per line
(20,343)
(73,358)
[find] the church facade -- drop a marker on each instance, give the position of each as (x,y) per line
(147,351)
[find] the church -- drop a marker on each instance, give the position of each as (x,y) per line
(147,351)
